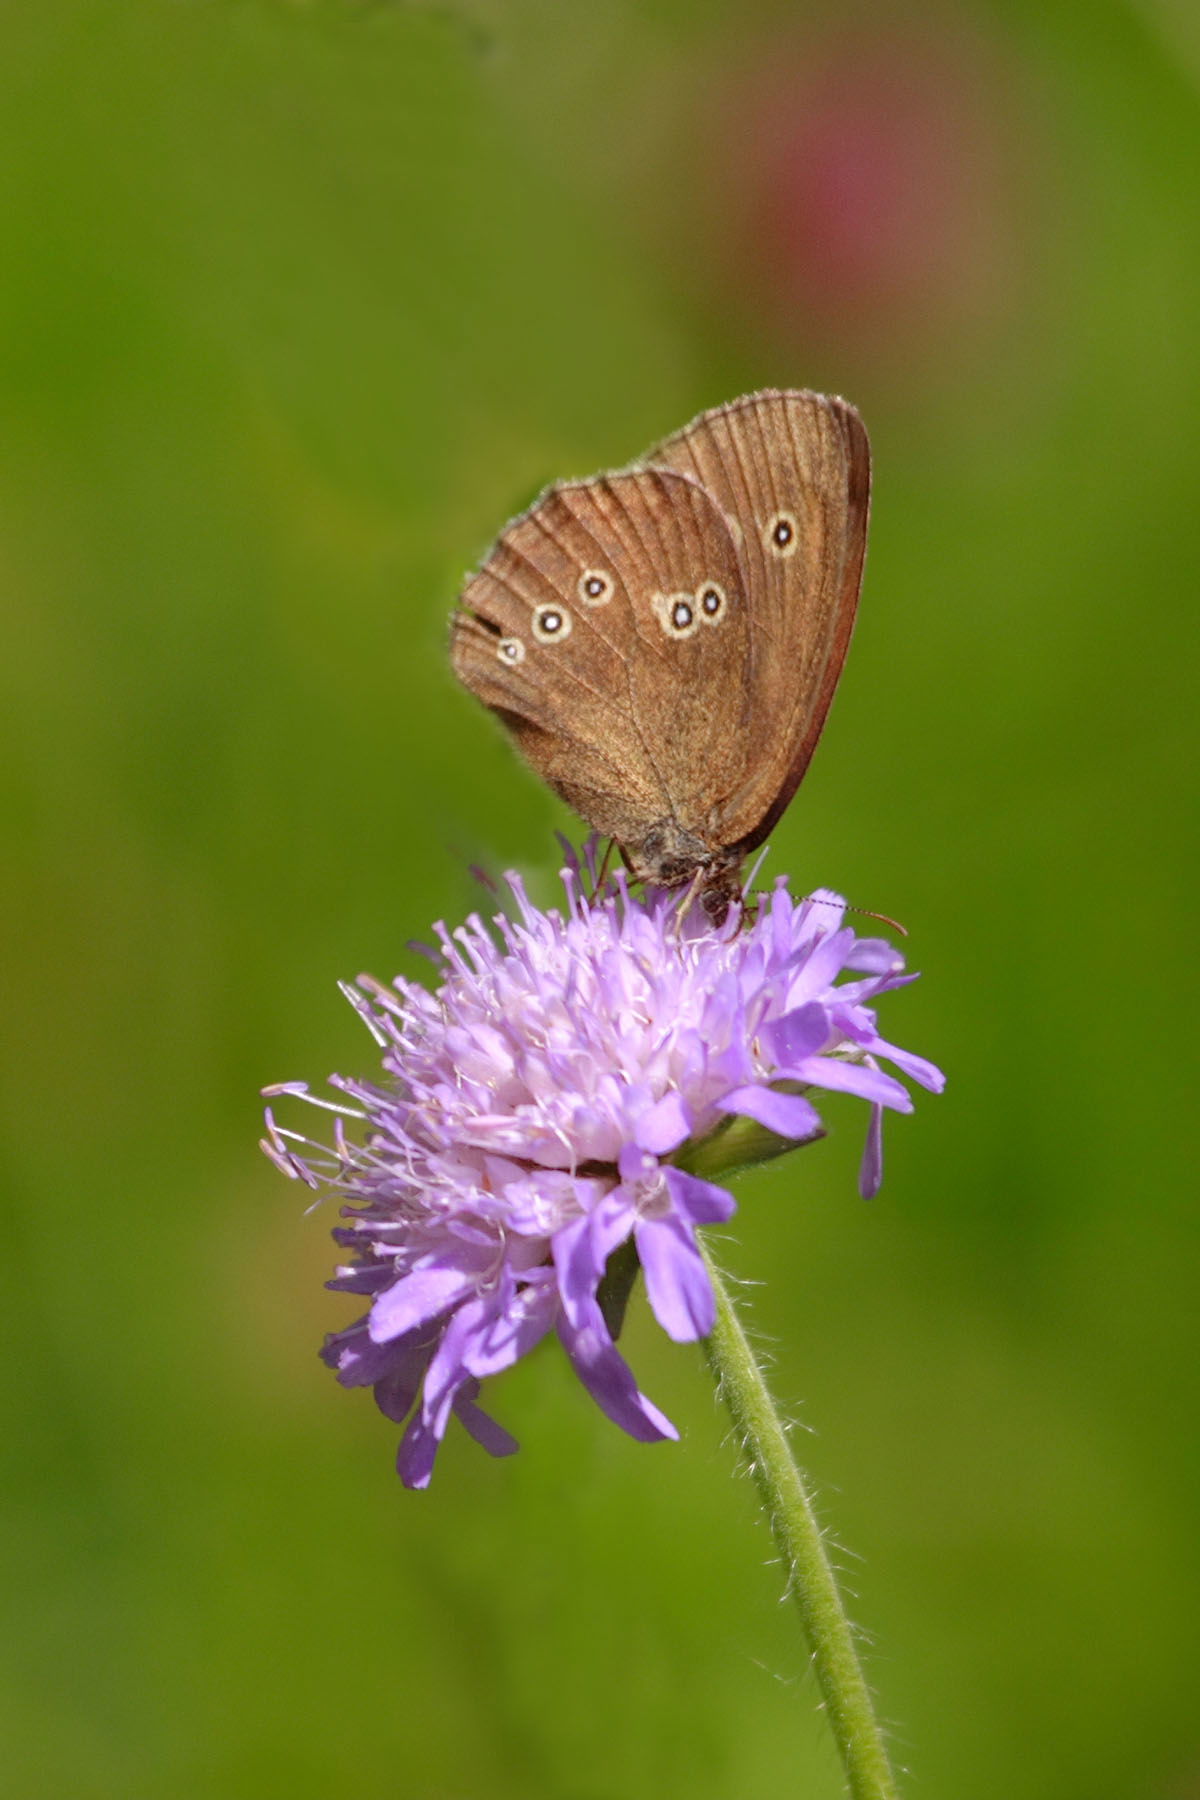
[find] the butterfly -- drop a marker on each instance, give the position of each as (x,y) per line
(663,642)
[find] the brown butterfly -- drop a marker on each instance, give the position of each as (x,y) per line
(664,642)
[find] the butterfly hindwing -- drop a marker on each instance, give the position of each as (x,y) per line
(609,628)
(791,466)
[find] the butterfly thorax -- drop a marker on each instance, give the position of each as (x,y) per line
(672,857)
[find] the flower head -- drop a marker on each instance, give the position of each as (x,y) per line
(533,1118)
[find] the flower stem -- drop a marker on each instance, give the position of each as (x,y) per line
(784,1493)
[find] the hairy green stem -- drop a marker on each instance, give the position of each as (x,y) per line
(785,1496)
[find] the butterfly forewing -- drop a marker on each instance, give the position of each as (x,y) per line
(792,471)
(609,628)
(664,642)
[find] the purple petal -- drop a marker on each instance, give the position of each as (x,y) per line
(700,1202)
(733,1065)
(416,1299)
(818,972)
(360,1278)
(874,956)
(507,1334)
(396,1392)
(664,1126)
(355,1358)
(581,1250)
(791,1115)
(609,1380)
(418,1447)
(635,1164)
(822,906)
(797,1035)
(677,1283)
(870,1176)
(448,1387)
(851,993)
(448,1370)
(853,1078)
(482,1427)
(927,1073)
(575,1263)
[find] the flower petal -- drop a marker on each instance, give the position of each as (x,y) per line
(853,1078)
(575,1261)
(482,1427)
(916,1067)
(796,1035)
(609,1380)
(874,956)
(418,1448)
(355,1359)
(635,1164)
(416,1299)
(870,1176)
(664,1126)
(819,970)
(396,1392)
(822,907)
(791,1115)
(700,1202)
(677,1283)
(581,1251)
(512,1329)
(448,1370)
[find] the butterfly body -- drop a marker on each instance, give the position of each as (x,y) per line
(663,642)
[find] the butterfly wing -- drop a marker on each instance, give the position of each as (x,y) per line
(791,471)
(609,629)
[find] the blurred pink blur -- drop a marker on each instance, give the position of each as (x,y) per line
(871,184)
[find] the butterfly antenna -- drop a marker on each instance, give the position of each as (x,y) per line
(865,912)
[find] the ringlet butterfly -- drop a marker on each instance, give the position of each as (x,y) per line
(663,642)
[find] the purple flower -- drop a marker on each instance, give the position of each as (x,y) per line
(532,1119)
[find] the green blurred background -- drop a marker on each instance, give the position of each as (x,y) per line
(300,302)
